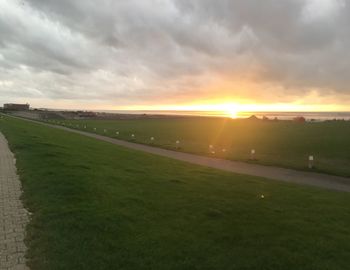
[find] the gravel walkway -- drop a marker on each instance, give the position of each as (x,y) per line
(13,216)
(270,172)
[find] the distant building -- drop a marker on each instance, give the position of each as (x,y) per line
(86,114)
(16,107)
(253,117)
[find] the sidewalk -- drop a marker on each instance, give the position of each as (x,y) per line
(13,216)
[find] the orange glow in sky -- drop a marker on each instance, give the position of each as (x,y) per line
(233,110)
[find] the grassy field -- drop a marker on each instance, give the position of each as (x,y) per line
(100,206)
(282,143)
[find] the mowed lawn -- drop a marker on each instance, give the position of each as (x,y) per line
(99,206)
(282,143)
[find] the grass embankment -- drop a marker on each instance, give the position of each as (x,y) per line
(100,206)
(282,143)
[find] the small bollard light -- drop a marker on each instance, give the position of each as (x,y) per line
(94,129)
(177,144)
(133,136)
(117,133)
(311,162)
(262,196)
(85,127)
(152,139)
(105,130)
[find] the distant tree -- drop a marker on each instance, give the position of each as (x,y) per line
(299,119)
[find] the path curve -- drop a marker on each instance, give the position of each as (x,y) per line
(276,173)
(13,216)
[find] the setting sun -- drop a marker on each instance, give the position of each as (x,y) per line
(232,112)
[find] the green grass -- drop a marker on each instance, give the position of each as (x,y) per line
(282,143)
(100,206)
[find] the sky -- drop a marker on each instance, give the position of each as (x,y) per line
(176,54)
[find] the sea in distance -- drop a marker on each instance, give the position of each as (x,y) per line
(317,116)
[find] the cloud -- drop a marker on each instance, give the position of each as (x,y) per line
(168,51)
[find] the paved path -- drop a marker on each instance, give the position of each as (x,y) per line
(13,216)
(270,172)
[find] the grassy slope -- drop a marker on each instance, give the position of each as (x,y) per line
(99,206)
(281,143)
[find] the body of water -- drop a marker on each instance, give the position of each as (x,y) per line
(320,116)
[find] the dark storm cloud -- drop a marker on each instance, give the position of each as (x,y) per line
(142,50)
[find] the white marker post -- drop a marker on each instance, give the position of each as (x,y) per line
(94,129)
(117,133)
(152,139)
(133,136)
(105,130)
(252,154)
(311,162)
(177,144)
